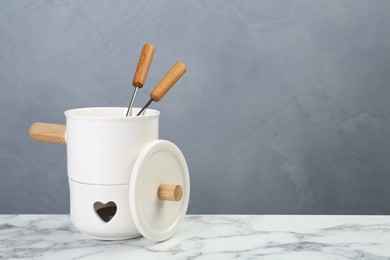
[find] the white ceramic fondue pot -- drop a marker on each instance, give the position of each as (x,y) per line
(124,182)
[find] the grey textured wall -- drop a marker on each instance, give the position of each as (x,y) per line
(284,108)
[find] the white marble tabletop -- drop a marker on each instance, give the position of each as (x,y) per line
(206,237)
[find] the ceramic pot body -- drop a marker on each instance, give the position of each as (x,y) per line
(102,146)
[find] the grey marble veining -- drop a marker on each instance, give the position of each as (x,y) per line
(206,237)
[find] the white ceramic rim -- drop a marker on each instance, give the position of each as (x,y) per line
(81,113)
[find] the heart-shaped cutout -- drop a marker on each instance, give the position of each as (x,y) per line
(105,211)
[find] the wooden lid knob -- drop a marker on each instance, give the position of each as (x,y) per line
(172,192)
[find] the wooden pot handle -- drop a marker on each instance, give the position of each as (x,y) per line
(50,133)
(172,192)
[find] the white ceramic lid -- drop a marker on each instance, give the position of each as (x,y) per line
(160,162)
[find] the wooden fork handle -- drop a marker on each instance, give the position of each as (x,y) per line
(143,65)
(168,81)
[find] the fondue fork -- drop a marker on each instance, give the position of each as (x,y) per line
(165,84)
(144,62)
